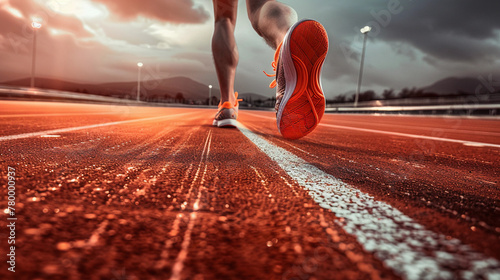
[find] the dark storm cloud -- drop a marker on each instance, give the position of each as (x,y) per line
(465,31)
(174,11)
(457,30)
(446,33)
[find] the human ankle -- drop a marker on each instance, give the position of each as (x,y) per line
(231,98)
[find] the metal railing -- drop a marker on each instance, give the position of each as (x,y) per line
(463,105)
(465,109)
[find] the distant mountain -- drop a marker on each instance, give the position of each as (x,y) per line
(189,88)
(162,88)
(453,85)
(49,84)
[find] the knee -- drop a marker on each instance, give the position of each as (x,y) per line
(273,12)
(279,12)
(225,10)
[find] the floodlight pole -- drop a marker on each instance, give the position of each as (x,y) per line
(209,95)
(139,65)
(365,31)
(35,25)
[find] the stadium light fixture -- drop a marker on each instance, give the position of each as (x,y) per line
(366,29)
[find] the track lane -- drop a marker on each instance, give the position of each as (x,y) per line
(134,218)
(233,197)
(405,246)
(433,182)
(18,117)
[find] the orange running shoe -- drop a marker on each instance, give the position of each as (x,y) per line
(228,114)
(300,102)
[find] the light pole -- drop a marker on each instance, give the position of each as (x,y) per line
(139,65)
(209,95)
(365,31)
(35,25)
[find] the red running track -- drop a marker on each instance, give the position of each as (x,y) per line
(123,192)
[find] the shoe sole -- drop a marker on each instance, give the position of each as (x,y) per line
(226,123)
(303,105)
(227,118)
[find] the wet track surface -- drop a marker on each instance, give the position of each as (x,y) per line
(121,192)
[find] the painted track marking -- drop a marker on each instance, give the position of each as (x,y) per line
(68,129)
(455,130)
(401,243)
(53,115)
(181,257)
(463,142)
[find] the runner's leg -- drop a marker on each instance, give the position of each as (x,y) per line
(224,48)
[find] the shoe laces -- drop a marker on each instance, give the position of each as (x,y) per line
(228,104)
(274,64)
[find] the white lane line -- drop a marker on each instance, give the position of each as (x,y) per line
(53,115)
(263,181)
(163,261)
(209,143)
(68,129)
(402,244)
(179,262)
(455,130)
(185,178)
(463,142)
(94,238)
(181,257)
(290,186)
(196,175)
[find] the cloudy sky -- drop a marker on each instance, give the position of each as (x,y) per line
(413,43)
